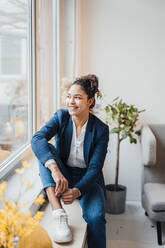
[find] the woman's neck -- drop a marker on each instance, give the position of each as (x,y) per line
(80,121)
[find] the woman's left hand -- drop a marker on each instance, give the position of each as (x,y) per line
(70,195)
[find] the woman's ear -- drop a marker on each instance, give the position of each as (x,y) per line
(90,101)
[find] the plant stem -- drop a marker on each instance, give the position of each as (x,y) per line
(117,162)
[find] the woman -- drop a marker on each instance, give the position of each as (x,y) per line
(73,168)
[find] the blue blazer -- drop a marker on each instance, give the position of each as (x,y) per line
(95,145)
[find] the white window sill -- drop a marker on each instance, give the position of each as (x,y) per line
(76,222)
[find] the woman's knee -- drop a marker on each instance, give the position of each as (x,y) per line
(93,205)
(94,218)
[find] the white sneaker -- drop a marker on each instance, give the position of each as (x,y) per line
(62,232)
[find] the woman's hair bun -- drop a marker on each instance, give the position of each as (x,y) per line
(93,82)
(90,82)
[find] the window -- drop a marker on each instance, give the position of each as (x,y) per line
(15,77)
(11,55)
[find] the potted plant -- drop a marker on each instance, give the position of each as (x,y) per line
(123,122)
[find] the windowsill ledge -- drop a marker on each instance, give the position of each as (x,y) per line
(76,223)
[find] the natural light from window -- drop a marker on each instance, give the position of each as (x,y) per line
(15,78)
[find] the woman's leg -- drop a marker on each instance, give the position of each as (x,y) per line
(54,200)
(62,232)
(48,182)
(93,207)
(49,186)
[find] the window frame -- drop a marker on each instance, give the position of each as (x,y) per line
(10,163)
(7,167)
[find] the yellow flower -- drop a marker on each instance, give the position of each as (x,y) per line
(26,182)
(28,186)
(38,216)
(25,164)
(25,203)
(19,171)
(13,221)
(3,187)
(39,200)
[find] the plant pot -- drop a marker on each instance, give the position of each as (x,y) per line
(115,202)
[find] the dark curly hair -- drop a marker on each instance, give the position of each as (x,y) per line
(89,85)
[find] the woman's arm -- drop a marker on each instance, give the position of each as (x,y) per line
(42,150)
(39,141)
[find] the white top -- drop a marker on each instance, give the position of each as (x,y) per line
(76,156)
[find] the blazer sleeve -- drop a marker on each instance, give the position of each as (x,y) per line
(39,141)
(96,162)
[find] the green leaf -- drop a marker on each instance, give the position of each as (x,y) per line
(115,99)
(132,140)
(140,111)
(124,134)
(99,94)
(128,122)
(127,128)
(107,109)
(120,120)
(138,132)
(114,110)
(115,130)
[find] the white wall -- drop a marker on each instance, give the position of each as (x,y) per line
(123,42)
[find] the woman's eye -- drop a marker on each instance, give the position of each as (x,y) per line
(75,97)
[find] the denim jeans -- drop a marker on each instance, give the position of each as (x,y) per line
(92,202)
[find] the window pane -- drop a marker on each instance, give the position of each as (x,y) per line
(11,55)
(15,23)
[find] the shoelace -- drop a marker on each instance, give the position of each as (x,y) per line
(63,219)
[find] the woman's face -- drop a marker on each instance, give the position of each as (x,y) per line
(77,101)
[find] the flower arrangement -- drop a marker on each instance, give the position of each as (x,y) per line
(14,222)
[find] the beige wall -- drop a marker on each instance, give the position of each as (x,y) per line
(44,66)
(123,42)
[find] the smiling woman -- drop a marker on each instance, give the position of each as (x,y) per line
(77,102)
(15,76)
(72,169)
(81,98)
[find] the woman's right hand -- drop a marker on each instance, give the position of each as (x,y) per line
(60,180)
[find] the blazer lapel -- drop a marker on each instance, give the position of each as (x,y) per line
(88,138)
(68,136)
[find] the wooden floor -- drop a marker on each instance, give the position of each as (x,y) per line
(129,230)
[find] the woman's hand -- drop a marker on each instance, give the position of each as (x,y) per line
(70,195)
(60,180)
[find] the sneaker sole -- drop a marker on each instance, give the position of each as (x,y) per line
(62,241)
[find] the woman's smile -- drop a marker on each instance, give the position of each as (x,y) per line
(73,107)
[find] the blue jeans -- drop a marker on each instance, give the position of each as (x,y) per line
(92,202)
